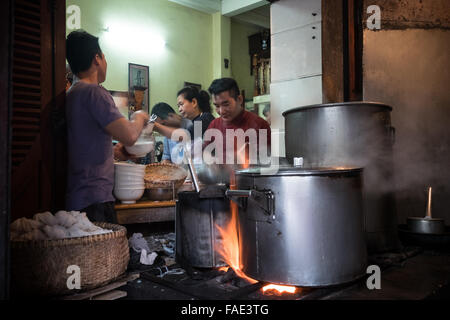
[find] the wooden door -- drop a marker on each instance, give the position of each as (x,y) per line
(5,74)
(32,143)
(342,50)
(38,82)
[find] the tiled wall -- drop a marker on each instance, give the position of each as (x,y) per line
(296,59)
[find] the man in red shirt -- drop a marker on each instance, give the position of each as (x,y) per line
(236,128)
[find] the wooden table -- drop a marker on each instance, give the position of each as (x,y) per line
(145,211)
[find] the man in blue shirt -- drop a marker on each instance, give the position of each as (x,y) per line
(168,121)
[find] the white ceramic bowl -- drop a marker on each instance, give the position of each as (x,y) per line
(128,167)
(129,170)
(140,148)
(120,184)
(128,195)
(128,188)
(129,175)
(122,173)
(127,182)
(129,179)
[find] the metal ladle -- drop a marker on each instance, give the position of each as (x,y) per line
(147,131)
(187,155)
(428,224)
(152,119)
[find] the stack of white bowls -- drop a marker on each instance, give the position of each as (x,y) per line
(129,184)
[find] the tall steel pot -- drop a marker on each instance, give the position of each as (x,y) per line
(351,134)
(301,227)
(198,242)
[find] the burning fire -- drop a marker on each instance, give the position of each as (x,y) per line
(279,289)
(230,247)
(230,250)
(243,156)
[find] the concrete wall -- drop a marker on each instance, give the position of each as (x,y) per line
(406,65)
(296,61)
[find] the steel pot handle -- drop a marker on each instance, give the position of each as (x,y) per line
(265,199)
(238,193)
(238,196)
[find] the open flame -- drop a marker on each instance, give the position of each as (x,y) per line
(279,288)
(243,156)
(223,269)
(230,245)
(230,249)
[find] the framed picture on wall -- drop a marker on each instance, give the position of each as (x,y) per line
(121,100)
(138,87)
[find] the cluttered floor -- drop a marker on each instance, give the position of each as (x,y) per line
(411,273)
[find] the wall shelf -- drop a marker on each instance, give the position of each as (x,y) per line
(263,99)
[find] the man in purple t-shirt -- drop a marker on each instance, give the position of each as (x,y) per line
(92,121)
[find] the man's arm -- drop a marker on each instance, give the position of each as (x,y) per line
(127,132)
(164,130)
(168,132)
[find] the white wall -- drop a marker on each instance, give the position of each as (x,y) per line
(234,7)
(296,61)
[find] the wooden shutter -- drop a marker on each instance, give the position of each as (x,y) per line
(5,77)
(36,94)
(26,117)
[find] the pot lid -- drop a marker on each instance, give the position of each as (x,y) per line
(340,104)
(288,170)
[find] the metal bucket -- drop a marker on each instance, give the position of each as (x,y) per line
(351,134)
(198,241)
(301,227)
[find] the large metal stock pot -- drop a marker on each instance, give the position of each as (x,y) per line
(301,227)
(351,134)
(198,240)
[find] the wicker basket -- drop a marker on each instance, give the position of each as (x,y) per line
(40,267)
(173,176)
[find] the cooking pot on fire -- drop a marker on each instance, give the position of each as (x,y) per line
(201,214)
(296,226)
(198,241)
(301,226)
